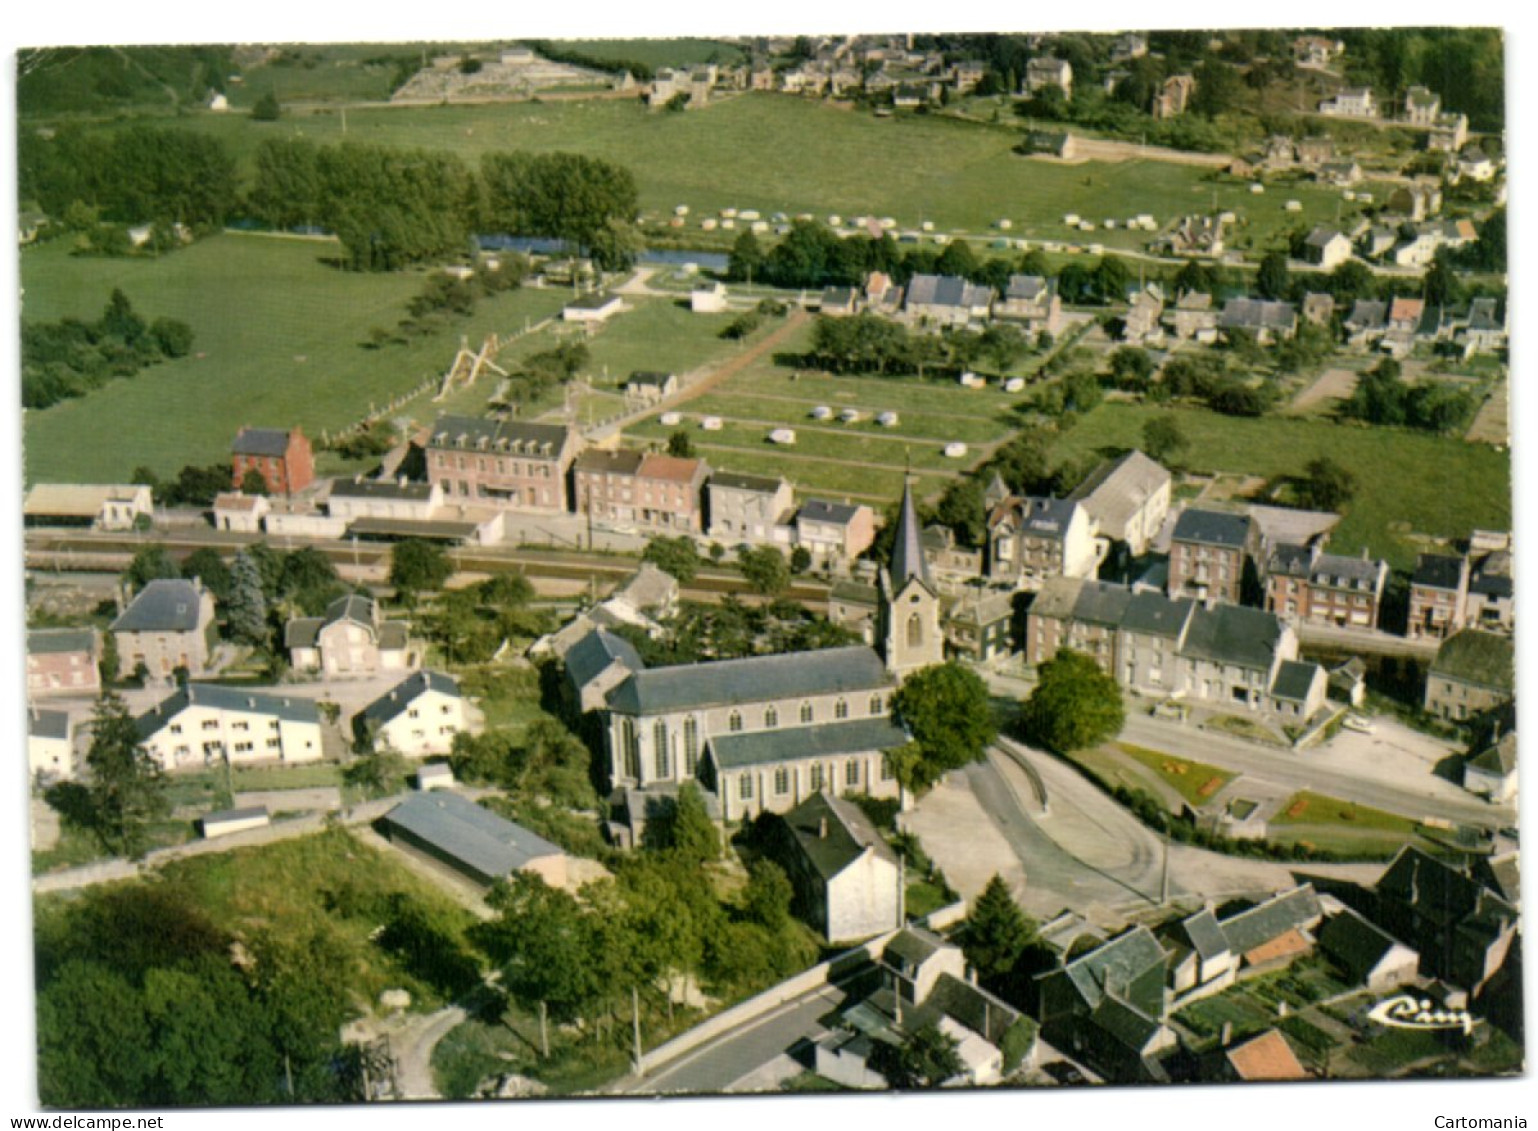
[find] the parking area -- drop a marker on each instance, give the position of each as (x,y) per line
(1392,752)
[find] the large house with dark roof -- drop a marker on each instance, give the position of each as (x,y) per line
(846,879)
(749,508)
(946,300)
(1438,596)
(1224,655)
(474,842)
(420,715)
(1032,301)
(350,638)
(502,463)
(1305,585)
(834,532)
(283,459)
(62,661)
(203,725)
(1462,929)
(168,625)
(1210,554)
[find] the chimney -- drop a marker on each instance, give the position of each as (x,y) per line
(401,481)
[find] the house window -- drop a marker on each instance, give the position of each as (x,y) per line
(807,714)
(817,781)
(781,780)
(771,717)
(411,714)
(745,787)
(841,709)
(734,722)
(877,704)
(888,773)
(852,772)
(660,751)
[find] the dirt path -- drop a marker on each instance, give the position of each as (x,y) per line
(1101,149)
(1491,424)
(412,1046)
(1332,384)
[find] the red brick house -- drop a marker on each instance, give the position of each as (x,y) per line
(502,463)
(655,492)
(62,661)
(1209,553)
(1306,585)
(283,459)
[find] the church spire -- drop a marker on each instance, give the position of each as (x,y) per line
(908,549)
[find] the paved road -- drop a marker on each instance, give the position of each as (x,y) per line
(716,1066)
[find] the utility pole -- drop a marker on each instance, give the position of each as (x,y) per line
(544,1031)
(1164,871)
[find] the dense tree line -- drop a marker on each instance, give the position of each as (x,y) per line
(1382,397)
(1466,66)
(71,357)
(731,629)
(572,53)
(136,174)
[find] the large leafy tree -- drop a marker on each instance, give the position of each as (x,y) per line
(765,569)
(677,556)
(542,941)
(127,789)
(1327,484)
(1163,438)
(1075,704)
(946,709)
(685,829)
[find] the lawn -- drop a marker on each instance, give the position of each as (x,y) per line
(1342,826)
(1194,781)
(781,153)
(278,335)
(1407,483)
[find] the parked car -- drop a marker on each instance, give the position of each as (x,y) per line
(1359,723)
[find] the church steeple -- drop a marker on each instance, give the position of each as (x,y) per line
(908,548)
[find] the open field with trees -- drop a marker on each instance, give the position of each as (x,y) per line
(1407,483)
(279,340)
(779,153)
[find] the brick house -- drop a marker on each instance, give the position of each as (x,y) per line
(502,463)
(283,459)
(1210,552)
(62,661)
(1307,585)
(655,492)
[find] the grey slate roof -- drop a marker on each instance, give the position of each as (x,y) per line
(792,744)
(289,708)
(594,654)
(908,558)
(1354,943)
(1027,288)
(54,641)
(1058,597)
(598,461)
(912,946)
(1257,314)
(1475,657)
(1154,614)
(162,606)
(43,723)
(1232,634)
(854,592)
(1038,515)
(1483,315)
(1212,528)
(475,836)
(820,510)
(947,290)
(1321,236)
(1499,758)
(1437,571)
(400,697)
(1271,919)
(849,833)
(301,632)
(1114,491)
(1367,314)
(1206,935)
(749,680)
(511,436)
(1124,1022)
(1294,679)
(260,442)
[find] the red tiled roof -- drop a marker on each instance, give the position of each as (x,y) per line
(1289,944)
(669,467)
(1406,309)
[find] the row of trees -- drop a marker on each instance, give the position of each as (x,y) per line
(71,357)
(1381,396)
(868,343)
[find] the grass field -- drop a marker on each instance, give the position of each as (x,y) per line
(1341,826)
(278,336)
(1408,483)
(1196,782)
(780,153)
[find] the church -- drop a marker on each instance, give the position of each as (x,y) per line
(764,733)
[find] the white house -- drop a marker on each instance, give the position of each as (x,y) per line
(420,715)
(1492,773)
(205,724)
(234,510)
(350,639)
(708,298)
(593,307)
(106,506)
(846,878)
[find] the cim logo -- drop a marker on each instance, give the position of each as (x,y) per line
(1406,1012)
